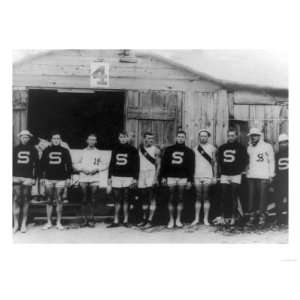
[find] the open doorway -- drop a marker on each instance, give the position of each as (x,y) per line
(75,115)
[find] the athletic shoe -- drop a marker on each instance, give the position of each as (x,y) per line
(47,226)
(125,224)
(113,225)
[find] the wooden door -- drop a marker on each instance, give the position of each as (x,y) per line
(20,104)
(157,111)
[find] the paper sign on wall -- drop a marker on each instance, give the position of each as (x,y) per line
(99,75)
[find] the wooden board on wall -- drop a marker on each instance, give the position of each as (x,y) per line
(157,111)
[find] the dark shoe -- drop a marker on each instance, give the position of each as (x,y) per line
(84,224)
(113,225)
(91,224)
(148,225)
(125,225)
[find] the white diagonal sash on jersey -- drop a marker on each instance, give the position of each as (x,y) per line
(204,154)
(147,155)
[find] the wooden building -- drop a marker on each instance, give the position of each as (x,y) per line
(145,92)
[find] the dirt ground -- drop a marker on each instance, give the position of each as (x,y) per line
(100,234)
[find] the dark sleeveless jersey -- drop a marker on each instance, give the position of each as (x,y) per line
(56,163)
(124,162)
(232,158)
(178,161)
(25,161)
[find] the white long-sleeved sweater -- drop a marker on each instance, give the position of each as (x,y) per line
(261,160)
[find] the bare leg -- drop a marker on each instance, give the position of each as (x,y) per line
(49,191)
(197,204)
(16,205)
(152,207)
(206,205)
(172,190)
(93,203)
(26,201)
(84,189)
(125,205)
(59,207)
(117,199)
(180,205)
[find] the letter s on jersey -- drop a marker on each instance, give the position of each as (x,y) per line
(229,156)
(55,158)
(283,163)
(177,158)
(122,159)
(23,157)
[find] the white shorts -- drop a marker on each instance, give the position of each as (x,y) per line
(202,180)
(227,179)
(55,183)
(146,178)
(23,181)
(171,181)
(121,182)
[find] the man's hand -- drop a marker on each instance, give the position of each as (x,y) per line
(133,183)
(68,182)
(164,181)
(94,171)
(214,180)
(155,182)
(43,181)
(188,185)
(33,181)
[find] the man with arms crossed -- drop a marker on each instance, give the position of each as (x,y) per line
(90,166)
(25,164)
(55,172)
(232,160)
(122,175)
(177,173)
(148,177)
(205,173)
(260,174)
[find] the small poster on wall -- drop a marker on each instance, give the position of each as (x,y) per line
(99,75)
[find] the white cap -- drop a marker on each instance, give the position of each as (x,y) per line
(283,137)
(205,130)
(254,131)
(24,132)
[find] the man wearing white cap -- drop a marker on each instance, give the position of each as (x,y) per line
(282,175)
(260,174)
(205,173)
(25,164)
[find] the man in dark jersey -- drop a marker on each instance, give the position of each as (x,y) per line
(281,181)
(123,173)
(25,164)
(232,162)
(55,172)
(177,171)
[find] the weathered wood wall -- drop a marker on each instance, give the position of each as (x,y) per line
(71,69)
(157,111)
(160,97)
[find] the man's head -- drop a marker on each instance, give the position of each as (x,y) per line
(203,136)
(180,137)
(148,139)
(123,137)
(254,135)
(24,137)
(55,138)
(232,135)
(283,141)
(91,140)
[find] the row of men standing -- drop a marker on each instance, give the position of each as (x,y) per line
(177,168)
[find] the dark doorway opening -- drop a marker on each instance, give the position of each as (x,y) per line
(75,115)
